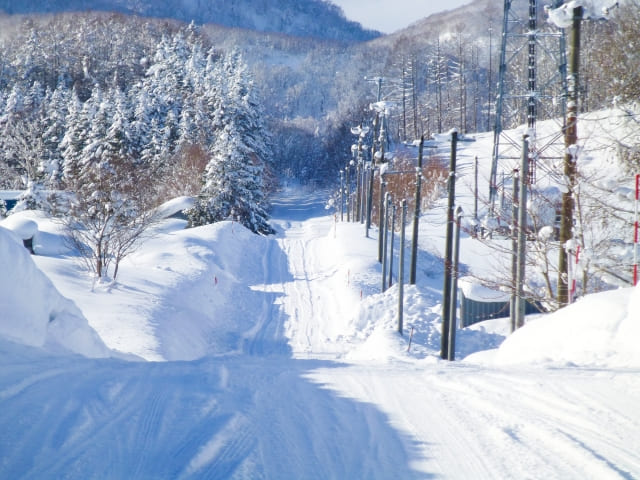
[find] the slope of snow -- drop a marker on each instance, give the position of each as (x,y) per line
(600,330)
(33,312)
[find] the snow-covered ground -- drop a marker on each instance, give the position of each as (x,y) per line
(220,354)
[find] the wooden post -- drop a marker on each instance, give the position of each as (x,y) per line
(446,290)
(401,268)
(416,216)
(451,354)
(570,157)
(522,234)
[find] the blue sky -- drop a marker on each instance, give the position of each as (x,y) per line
(391,15)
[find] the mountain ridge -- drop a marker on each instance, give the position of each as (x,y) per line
(311,18)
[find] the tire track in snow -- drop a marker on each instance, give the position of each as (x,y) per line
(226,451)
(543,421)
(473,422)
(268,337)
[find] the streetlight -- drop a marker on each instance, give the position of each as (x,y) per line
(383,109)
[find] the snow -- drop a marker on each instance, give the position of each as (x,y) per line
(473,290)
(600,330)
(175,206)
(562,16)
(223,354)
(24,228)
(33,312)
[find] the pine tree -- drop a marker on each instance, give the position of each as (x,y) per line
(233,181)
(75,138)
(53,132)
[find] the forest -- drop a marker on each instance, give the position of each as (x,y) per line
(90,101)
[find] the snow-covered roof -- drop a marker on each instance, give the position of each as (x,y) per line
(474,290)
(174,206)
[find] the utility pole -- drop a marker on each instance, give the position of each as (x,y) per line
(383,186)
(347,168)
(522,234)
(570,157)
(416,215)
(451,353)
(356,213)
(446,290)
(342,195)
(384,222)
(393,225)
(514,249)
(401,268)
(371,177)
(475,190)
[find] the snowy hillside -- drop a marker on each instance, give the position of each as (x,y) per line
(311,18)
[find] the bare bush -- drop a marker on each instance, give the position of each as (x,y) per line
(401,183)
(109,214)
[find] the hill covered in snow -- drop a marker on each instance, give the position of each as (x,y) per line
(311,18)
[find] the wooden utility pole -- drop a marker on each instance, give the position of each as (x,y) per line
(385,227)
(401,268)
(451,354)
(446,290)
(416,215)
(514,248)
(570,157)
(522,235)
(381,226)
(342,195)
(393,236)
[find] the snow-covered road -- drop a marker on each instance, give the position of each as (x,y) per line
(313,384)
(468,422)
(464,420)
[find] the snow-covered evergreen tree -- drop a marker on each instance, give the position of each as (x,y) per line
(75,138)
(56,105)
(233,181)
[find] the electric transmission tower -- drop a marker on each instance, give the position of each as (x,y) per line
(532,86)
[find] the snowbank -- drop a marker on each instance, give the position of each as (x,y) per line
(48,236)
(175,206)
(599,330)
(24,228)
(562,16)
(32,312)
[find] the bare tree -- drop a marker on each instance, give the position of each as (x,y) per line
(109,214)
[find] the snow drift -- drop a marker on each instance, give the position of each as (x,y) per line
(599,330)
(33,311)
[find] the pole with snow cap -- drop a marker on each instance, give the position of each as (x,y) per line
(454,286)
(384,223)
(416,215)
(522,234)
(570,158)
(514,248)
(446,290)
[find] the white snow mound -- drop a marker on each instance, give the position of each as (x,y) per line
(599,330)
(32,311)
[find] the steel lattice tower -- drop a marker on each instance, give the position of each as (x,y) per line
(531,85)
